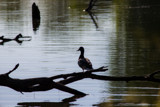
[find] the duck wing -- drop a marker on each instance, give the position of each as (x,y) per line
(85,63)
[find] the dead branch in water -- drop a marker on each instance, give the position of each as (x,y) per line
(47,83)
(91,4)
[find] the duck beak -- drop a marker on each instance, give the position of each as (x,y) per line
(78,50)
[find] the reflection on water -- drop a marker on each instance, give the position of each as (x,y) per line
(64,103)
(121,35)
(137,52)
(45,104)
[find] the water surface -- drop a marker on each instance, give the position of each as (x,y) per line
(122,36)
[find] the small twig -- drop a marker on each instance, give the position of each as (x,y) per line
(13,69)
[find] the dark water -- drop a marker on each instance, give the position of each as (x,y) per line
(123,35)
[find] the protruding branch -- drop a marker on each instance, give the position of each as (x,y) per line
(91,4)
(13,69)
(153,74)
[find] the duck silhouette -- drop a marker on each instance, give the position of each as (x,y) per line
(83,62)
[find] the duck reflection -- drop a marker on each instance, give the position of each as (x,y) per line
(64,103)
(19,39)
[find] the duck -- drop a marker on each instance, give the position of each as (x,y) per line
(83,62)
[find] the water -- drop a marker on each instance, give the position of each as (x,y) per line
(124,37)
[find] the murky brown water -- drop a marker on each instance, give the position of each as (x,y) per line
(123,36)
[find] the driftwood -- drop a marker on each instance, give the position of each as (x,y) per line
(47,83)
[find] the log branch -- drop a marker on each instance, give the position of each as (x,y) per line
(65,76)
(152,75)
(12,69)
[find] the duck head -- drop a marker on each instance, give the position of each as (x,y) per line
(81,49)
(82,52)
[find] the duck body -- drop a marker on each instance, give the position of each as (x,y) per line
(83,62)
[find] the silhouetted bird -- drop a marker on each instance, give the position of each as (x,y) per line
(83,62)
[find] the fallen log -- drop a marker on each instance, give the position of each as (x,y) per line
(48,83)
(34,84)
(41,83)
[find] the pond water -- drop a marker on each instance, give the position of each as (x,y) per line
(121,35)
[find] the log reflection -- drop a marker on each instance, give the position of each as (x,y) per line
(64,103)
